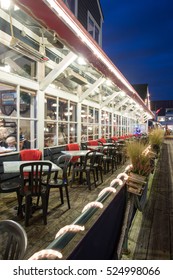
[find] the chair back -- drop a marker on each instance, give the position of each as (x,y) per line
(64,162)
(102,140)
(73,147)
(30,154)
(39,172)
(90,159)
(93,143)
(13,240)
(27,155)
(84,146)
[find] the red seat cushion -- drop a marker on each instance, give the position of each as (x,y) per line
(30,155)
(92,143)
(73,147)
(103,140)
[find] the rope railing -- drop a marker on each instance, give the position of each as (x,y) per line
(67,233)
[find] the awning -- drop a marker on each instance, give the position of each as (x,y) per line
(71,32)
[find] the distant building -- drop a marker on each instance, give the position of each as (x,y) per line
(163,110)
(90,15)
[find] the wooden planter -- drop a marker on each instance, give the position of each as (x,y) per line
(136,183)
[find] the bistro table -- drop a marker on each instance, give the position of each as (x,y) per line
(14,166)
(80,153)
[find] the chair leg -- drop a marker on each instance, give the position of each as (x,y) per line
(19,210)
(67,195)
(27,209)
(44,206)
(61,195)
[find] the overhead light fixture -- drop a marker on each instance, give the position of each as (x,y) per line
(56,42)
(81,61)
(5,4)
(75,77)
(27,50)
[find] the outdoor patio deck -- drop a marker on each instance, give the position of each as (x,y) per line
(151,233)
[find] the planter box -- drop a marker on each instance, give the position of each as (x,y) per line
(136,183)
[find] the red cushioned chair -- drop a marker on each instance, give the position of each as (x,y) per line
(93,143)
(30,154)
(114,138)
(103,140)
(73,147)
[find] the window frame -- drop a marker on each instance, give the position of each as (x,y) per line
(90,17)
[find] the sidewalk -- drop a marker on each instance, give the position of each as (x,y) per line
(151,233)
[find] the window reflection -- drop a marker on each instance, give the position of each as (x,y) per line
(50,108)
(50,134)
(17,130)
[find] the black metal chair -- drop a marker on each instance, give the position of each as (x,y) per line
(61,182)
(84,146)
(109,158)
(13,240)
(87,167)
(36,185)
(98,165)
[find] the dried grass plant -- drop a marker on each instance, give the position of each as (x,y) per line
(140,157)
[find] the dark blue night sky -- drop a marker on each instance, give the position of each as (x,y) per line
(138,38)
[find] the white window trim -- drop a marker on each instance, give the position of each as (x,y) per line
(89,16)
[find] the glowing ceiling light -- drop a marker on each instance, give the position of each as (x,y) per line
(5,4)
(81,61)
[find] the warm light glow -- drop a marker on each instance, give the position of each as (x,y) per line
(6,68)
(80,33)
(81,61)
(5,4)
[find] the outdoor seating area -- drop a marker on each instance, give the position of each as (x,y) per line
(79,145)
(105,189)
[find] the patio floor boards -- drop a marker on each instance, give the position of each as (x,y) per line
(151,234)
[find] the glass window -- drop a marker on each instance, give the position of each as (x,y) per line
(17,64)
(71,4)
(50,108)
(73,112)
(50,134)
(27,104)
(28,134)
(93,28)
(63,110)
(16,128)
(73,133)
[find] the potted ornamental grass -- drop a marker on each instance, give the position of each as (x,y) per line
(140,156)
(156,137)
